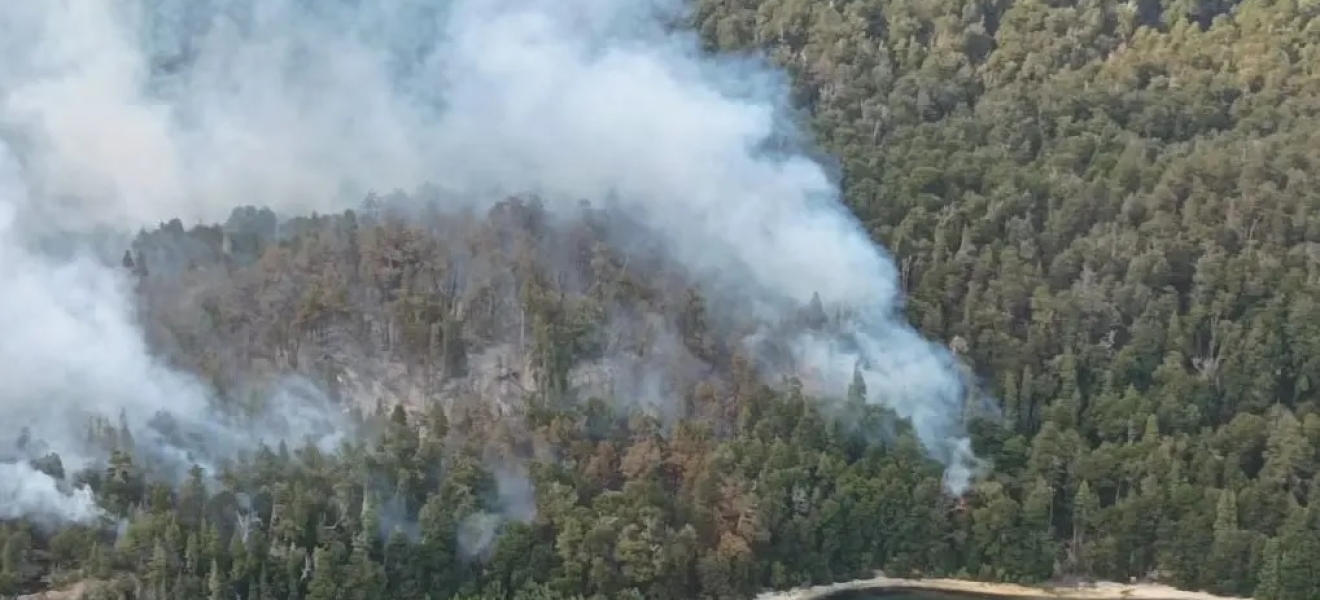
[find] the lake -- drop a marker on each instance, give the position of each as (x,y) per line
(899,594)
(909,595)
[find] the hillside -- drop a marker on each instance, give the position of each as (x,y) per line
(1104,211)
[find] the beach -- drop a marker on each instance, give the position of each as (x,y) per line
(1095,591)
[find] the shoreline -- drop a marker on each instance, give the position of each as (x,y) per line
(1095,591)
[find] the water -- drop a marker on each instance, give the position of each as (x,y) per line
(912,595)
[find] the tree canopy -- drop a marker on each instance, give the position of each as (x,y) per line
(1104,207)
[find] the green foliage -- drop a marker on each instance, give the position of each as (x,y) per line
(1106,208)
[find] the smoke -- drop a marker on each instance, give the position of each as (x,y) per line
(514,501)
(597,99)
(73,351)
(38,489)
(118,113)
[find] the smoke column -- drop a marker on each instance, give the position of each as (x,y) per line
(121,113)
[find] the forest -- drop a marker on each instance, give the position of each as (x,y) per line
(1104,208)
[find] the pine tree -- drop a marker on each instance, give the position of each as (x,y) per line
(217,585)
(1268,586)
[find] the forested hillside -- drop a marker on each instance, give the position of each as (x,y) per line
(1105,209)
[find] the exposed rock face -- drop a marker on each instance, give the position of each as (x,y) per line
(75,592)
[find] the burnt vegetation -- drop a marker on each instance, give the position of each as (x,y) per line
(1105,208)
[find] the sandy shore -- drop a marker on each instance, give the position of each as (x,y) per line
(1097,591)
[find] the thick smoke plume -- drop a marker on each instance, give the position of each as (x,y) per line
(73,352)
(121,113)
(36,489)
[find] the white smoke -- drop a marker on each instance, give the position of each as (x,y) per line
(515,501)
(39,490)
(126,112)
(72,350)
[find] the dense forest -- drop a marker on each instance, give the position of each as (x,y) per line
(1103,207)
